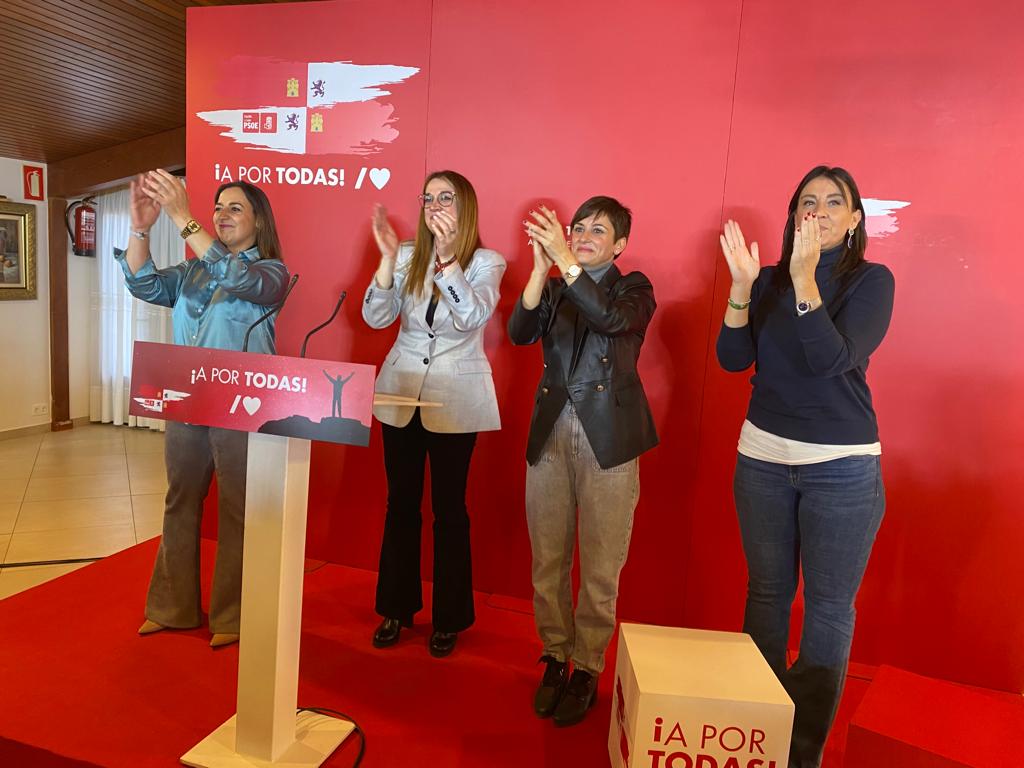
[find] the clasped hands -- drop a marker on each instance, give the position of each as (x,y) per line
(155,190)
(547,236)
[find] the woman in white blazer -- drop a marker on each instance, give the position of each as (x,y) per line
(444,287)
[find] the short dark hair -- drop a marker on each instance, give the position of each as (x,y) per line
(267,242)
(620,216)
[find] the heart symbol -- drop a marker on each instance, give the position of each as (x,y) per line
(251,404)
(380,177)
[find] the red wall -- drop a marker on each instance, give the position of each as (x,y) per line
(691,113)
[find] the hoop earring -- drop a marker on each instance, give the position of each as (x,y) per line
(849,240)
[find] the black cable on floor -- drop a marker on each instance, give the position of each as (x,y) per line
(69,561)
(342,716)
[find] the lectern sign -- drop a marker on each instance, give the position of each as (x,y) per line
(296,397)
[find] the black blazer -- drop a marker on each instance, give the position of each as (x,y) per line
(603,383)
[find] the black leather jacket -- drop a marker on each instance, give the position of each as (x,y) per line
(603,384)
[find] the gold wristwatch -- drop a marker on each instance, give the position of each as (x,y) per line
(191,227)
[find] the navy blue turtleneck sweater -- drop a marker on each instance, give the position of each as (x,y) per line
(810,371)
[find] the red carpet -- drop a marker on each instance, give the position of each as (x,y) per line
(80,687)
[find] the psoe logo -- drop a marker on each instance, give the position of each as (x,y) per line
(259,122)
(250,122)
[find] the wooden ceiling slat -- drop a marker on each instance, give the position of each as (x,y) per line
(123,23)
(74,80)
(68,58)
(44,37)
(48,77)
(22,90)
(70,140)
(77,29)
(94,87)
(110,18)
(117,18)
(151,14)
(49,70)
(176,12)
(83,122)
(119,31)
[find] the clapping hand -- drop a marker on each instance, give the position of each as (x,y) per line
(144,209)
(384,234)
(806,250)
(744,265)
(167,190)
(542,263)
(547,229)
(445,228)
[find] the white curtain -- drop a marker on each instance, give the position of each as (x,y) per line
(118,319)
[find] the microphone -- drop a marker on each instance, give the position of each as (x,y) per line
(274,310)
(334,314)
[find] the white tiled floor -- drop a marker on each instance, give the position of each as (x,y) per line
(87,492)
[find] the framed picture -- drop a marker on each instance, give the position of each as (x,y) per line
(17,251)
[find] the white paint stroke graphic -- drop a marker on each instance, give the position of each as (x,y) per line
(283,139)
(343,81)
(360,129)
(881,220)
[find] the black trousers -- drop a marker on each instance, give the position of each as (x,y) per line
(399,591)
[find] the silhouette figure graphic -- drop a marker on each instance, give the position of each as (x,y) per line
(338,384)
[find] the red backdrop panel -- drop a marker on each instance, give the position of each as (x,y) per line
(689,113)
(241,58)
(919,109)
(537,102)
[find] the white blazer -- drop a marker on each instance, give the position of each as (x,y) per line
(445,362)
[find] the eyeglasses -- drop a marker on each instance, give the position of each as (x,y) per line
(444,199)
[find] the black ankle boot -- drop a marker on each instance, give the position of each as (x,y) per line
(388,632)
(442,643)
(580,695)
(551,687)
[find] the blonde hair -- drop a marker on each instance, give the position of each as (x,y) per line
(467,239)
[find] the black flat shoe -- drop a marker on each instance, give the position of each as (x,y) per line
(388,632)
(442,643)
(580,695)
(551,687)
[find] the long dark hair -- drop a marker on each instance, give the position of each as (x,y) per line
(853,249)
(467,239)
(266,230)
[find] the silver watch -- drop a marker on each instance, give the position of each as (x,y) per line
(806,305)
(574,271)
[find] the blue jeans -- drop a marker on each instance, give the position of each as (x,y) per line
(821,518)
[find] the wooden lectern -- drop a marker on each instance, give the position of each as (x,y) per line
(281,402)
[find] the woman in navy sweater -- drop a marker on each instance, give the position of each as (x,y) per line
(808,483)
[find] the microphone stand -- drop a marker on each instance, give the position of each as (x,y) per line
(287,293)
(334,314)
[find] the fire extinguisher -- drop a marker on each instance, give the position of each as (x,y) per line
(83,235)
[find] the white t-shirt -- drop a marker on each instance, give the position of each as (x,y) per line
(755,443)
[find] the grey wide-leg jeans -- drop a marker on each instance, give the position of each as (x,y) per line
(565,481)
(192,454)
